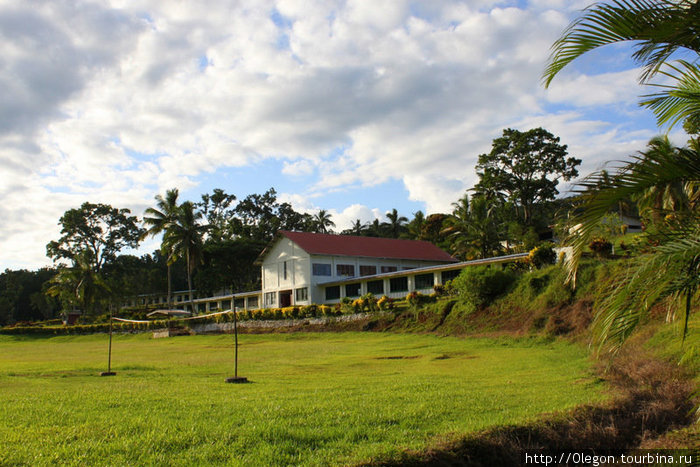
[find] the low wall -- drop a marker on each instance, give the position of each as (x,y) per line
(281,323)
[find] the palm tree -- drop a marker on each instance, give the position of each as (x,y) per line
(670,267)
(472,229)
(659,28)
(323,221)
(416,226)
(357,227)
(184,237)
(395,223)
(158,220)
(79,284)
(665,197)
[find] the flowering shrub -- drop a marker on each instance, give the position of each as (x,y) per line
(601,247)
(385,303)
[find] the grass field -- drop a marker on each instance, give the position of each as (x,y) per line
(316,399)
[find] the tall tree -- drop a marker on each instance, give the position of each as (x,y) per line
(217,210)
(157,221)
(416,226)
(79,285)
(98,229)
(357,228)
(659,28)
(524,168)
(185,238)
(396,223)
(323,222)
(471,229)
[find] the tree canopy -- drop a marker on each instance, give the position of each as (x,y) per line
(98,229)
(524,168)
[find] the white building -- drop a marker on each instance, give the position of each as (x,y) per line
(300,268)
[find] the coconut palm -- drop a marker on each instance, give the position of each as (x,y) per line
(322,221)
(184,238)
(357,227)
(471,229)
(158,220)
(396,223)
(416,226)
(79,284)
(659,28)
(665,197)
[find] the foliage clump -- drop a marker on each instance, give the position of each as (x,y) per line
(542,255)
(480,285)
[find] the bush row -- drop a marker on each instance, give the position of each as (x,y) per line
(365,304)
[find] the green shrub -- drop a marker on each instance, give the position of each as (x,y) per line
(601,247)
(542,255)
(480,285)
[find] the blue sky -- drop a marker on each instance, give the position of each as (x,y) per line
(349,106)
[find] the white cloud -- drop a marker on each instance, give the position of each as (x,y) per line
(297,168)
(603,89)
(117,103)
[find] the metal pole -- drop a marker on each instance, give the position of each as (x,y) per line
(109,358)
(109,371)
(235,336)
(235,378)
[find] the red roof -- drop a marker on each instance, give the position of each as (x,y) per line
(369,247)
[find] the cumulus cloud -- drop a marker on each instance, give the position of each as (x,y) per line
(116,101)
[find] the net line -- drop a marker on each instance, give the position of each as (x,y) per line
(218,313)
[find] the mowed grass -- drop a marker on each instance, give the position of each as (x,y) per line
(316,399)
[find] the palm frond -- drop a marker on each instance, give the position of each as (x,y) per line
(668,272)
(645,171)
(659,26)
(679,101)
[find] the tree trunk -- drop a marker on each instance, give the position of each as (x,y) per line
(189,281)
(170,290)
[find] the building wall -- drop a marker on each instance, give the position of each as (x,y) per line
(285,268)
(318,293)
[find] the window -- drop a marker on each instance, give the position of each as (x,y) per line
(345,269)
(388,269)
(252,302)
(284,273)
(424,281)
(368,270)
(352,290)
(320,269)
(398,284)
(449,275)
(239,303)
(301,295)
(333,292)
(270,298)
(376,287)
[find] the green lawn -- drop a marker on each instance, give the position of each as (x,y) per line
(316,399)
